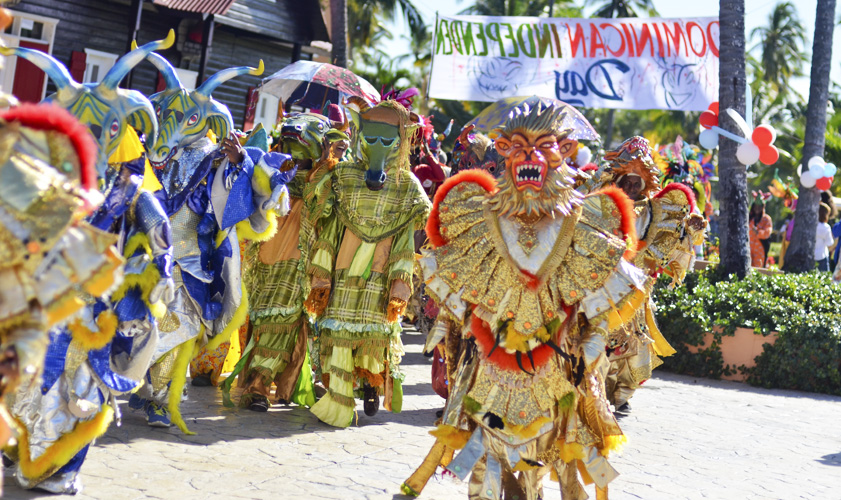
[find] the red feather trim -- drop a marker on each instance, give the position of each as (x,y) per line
(590,167)
(433,224)
(53,118)
(486,340)
(626,211)
(690,195)
(531,280)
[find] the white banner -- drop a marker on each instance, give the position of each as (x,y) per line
(632,63)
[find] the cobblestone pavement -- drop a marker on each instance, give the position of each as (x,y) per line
(689,439)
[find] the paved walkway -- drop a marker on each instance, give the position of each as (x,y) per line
(689,439)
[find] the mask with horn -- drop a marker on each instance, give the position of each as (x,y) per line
(105,108)
(185,116)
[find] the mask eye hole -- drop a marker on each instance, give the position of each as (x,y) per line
(371,140)
(115,127)
(386,142)
(193,119)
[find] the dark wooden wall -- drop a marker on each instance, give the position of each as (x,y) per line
(103,25)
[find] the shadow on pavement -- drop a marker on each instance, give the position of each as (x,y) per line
(741,386)
(833,459)
(212,422)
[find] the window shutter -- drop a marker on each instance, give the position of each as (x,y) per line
(250,108)
(78,60)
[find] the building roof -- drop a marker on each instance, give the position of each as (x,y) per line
(201,6)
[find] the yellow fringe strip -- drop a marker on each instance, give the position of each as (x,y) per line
(63,308)
(246,232)
(451,437)
(570,451)
(176,385)
(625,313)
(237,320)
(104,278)
(64,449)
(139,240)
(145,281)
(527,431)
(90,340)
(613,443)
(661,345)
(262,179)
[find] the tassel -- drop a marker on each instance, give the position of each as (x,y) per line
(176,386)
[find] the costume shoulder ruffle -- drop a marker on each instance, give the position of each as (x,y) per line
(460,195)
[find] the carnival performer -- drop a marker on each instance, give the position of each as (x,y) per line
(212,197)
(363,262)
(668,225)
(47,187)
(531,276)
(106,350)
(276,271)
(475,150)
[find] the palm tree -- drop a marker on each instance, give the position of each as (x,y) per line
(624,8)
(733,188)
(800,256)
(781,44)
(523,8)
(365,21)
(338,31)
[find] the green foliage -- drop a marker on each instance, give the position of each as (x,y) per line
(802,308)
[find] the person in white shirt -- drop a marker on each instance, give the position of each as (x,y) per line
(823,239)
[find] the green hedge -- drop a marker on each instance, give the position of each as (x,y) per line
(804,308)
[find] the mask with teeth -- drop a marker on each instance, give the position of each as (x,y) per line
(536,178)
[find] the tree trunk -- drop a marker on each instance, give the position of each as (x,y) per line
(338,25)
(800,256)
(733,182)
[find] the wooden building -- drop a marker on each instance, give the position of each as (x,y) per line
(211,35)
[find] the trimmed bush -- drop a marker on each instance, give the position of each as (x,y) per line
(802,308)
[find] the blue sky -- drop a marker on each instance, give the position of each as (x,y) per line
(756,14)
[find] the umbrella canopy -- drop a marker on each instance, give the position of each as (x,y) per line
(312,84)
(494,116)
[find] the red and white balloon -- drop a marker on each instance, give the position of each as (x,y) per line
(758,147)
(819,174)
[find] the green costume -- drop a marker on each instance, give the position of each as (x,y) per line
(366,248)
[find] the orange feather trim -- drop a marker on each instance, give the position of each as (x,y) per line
(690,195)
(626,211)
(433,224)
(486,340)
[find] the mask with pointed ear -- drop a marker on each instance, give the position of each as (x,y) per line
(103,107)
(185,116)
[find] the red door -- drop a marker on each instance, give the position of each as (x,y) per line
(29,79)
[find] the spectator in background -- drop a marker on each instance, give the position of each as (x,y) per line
(713,232)
(823,239)
(760,228)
